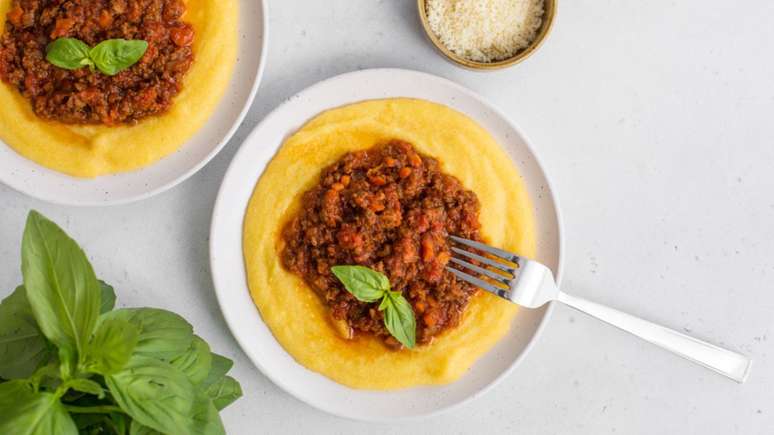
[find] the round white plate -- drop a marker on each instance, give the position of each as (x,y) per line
(227,261)
(28,177)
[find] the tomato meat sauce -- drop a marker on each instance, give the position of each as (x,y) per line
(86,96)
(391,209)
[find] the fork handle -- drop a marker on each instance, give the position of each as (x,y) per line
(725,362)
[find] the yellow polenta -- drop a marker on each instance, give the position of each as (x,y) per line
(297,316)
(93,150)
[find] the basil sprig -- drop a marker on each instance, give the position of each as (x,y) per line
(368,285)
(110,56)
(70,363)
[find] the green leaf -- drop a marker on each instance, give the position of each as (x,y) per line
(68,53)
(365,284)
(61,286)
(108,297)
(206,420)
(67,359)
(137,428)
(86,386)
(399,318)
(12,390)
(119,422)
(25,412)
(84,421)
(196,361)
(218,369)
(112,346)
(23,347)
(101,424)
(115,55)
(162,334)
(224,392)
(154,393)
(47,375)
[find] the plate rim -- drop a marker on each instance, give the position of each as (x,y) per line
(219,203)
(53,199)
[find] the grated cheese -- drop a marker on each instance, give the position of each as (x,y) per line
(485,30)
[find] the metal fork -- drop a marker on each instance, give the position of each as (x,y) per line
(531,285)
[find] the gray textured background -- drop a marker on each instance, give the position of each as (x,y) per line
(654,120)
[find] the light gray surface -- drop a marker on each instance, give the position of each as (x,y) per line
(654,120)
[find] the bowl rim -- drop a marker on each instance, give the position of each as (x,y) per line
(221,280)
(540,38)
(183,176)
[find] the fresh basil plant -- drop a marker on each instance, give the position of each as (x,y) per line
(70,363)
(368,285)
(110,56)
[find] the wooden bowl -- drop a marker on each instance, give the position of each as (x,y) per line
(549,12)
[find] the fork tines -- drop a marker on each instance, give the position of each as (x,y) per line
(503,274)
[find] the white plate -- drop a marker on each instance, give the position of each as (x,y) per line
(28,177)
(228,264)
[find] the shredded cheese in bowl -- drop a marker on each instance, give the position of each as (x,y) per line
(485,30)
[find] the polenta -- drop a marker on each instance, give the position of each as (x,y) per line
(296,315)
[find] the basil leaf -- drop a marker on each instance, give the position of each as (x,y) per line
(112,346)
(11,391)
(98,423)
(162,334)
(118,421)
(137,428)
(218,369)
(115,55)
(108,300)
(154,393)
(67,358)
(195,362)
(22,346)
(86,386)
(61,286)
(206,420)
(399,318)
(365,284)
(224,392)
(68,53)
(85,421)
(25,412)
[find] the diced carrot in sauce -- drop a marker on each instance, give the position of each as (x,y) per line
(443,258)
(182,36)
(430,318)
(377,180)
(62,27)
(15,16)
(105,19)
(428,249)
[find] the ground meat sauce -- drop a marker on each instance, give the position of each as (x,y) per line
(84,96)
(390,209)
